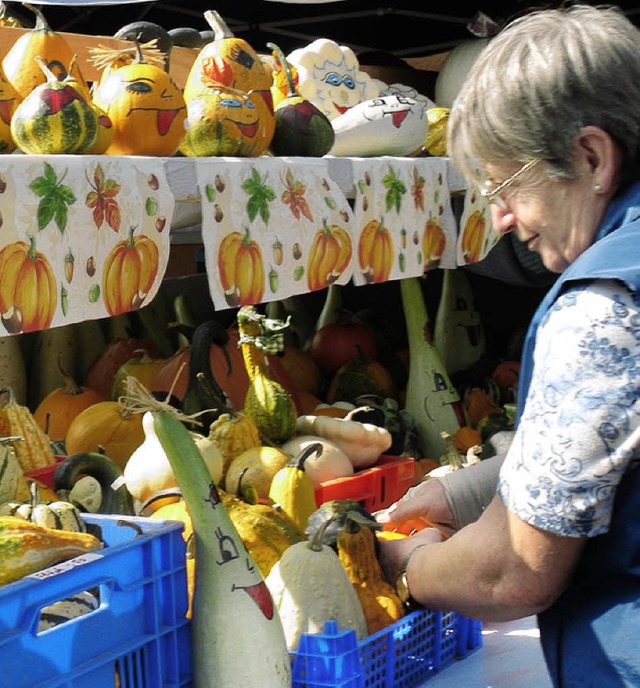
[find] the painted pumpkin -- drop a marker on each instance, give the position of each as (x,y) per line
(375,252)
(129,273)
(146,108)
(241,267)
(473,234)
(433,244)
(28,289)
(20,66)
(329,256)
(227,122)
(227,61)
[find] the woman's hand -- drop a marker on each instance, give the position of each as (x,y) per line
(427,501)
(393,553)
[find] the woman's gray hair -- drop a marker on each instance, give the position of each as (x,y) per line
(541,79)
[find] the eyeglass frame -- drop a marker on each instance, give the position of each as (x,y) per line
(494,196)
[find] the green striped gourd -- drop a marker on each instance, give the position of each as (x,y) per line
(54,118)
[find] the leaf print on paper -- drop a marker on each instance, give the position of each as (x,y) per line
(395,190)
(55,199)
(102,199)
(417,189)
(294,196)
(260,195)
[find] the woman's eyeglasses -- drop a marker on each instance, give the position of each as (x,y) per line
(494,195)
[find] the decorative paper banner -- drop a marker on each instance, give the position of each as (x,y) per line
(272,228)
(477,235)
(81,237)
(405,224)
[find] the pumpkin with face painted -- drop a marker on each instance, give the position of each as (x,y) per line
(387,125)
(146,108)
(224,121)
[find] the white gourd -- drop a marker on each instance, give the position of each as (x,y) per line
(309,587)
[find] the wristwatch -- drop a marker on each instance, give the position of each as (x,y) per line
(402,585)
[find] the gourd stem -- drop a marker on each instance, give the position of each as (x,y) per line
(286,67)
(218,25)
(315,543)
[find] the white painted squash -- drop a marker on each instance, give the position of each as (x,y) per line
(388,125)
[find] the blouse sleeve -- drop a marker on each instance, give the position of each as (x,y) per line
(581,423)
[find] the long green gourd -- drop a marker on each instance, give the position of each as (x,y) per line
(431,398)
(458,334)
(237,635)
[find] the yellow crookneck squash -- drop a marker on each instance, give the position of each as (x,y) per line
(357,553)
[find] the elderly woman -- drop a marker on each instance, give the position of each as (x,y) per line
(547,126)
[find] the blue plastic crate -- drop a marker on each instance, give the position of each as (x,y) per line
(139,632)
(404,654)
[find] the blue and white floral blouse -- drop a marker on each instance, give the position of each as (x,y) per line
(581,423)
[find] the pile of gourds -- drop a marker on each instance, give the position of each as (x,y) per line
(235,101)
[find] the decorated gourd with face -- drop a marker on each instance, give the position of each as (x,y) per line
(146,108)
(224,121)
(329,75)
(387,125)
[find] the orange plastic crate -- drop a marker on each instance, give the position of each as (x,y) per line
(375,488)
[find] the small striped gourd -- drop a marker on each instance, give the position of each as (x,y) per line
(54,118)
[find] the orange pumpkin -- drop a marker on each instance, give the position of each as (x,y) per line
(329,256)
(57,410)
(304,372)
(28,289)
(129,273)
(228,370)
(473,234)
(241,267)
(223,121)
(433,244)
(375,252)
(109,427)
(146,108)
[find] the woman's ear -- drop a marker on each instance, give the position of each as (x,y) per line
(601,155)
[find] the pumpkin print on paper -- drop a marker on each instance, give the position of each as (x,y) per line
(473,236)
(242,271)
(329,256)
(129,273)
(28,290)
(146,108)
(375,252)
(433,244)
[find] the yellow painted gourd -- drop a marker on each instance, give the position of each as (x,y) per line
(20,66)
(146,108)
(227,61)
